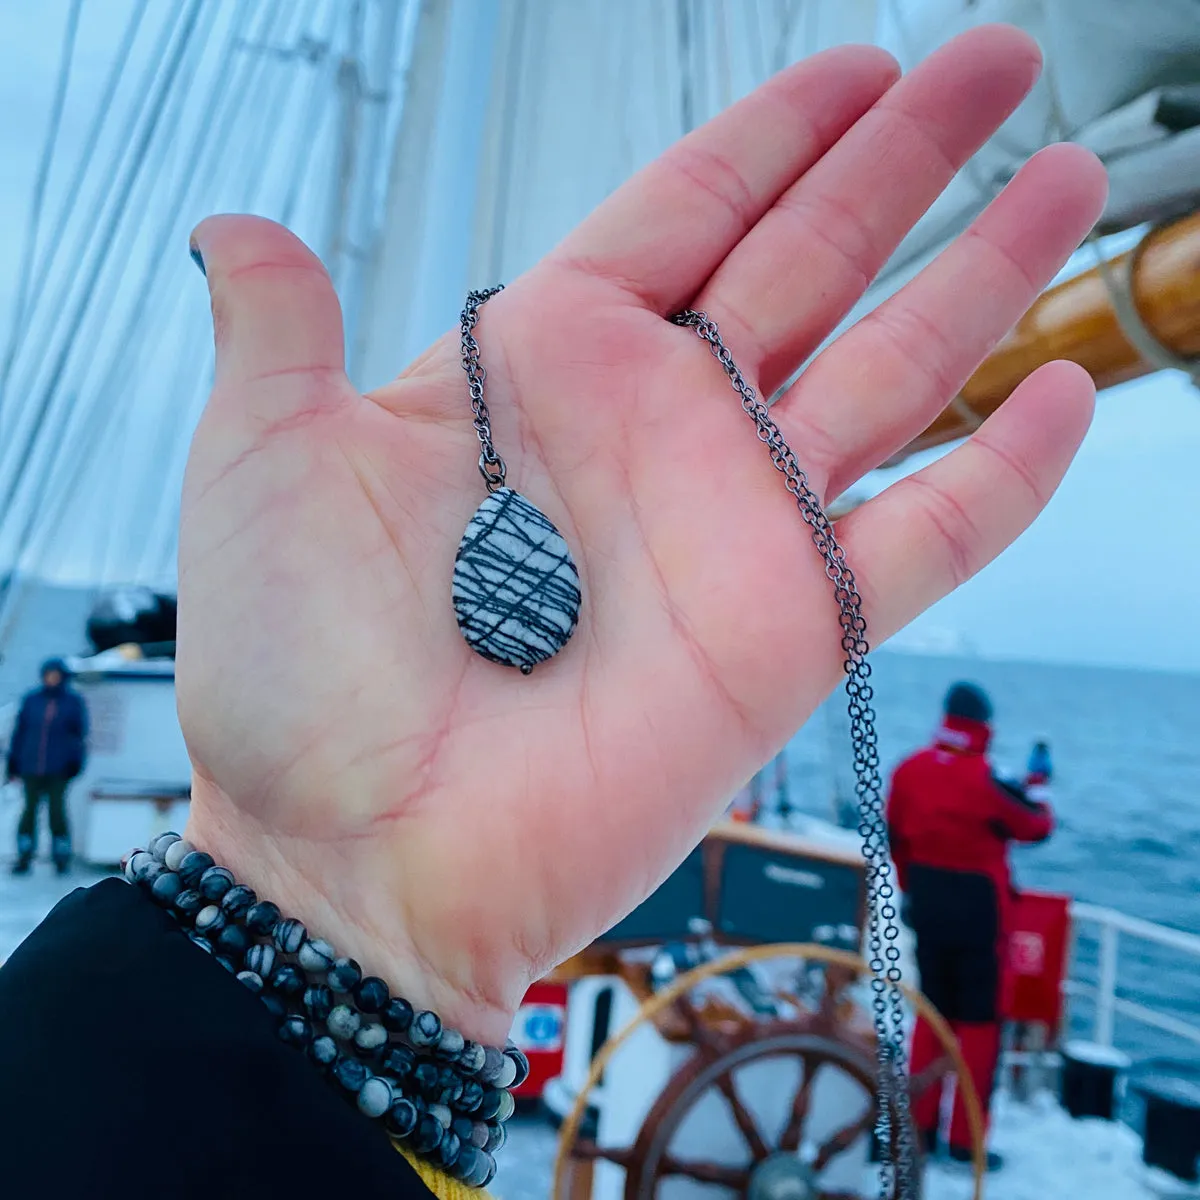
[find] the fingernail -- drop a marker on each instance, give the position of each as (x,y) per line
(197,258)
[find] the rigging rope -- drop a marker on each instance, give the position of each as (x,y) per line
(90,234)
(72,192)
(32,229)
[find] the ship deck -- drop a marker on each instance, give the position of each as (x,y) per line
(1047,1154)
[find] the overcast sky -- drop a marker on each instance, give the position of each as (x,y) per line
(1109,574)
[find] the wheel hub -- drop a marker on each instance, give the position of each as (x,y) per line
(782,1177)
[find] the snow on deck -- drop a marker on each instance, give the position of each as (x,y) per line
(1047,1155)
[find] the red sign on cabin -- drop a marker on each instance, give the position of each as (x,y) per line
(1039,937)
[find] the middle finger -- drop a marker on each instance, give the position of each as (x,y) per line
(797,273)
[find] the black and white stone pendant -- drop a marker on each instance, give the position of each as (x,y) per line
(516,589)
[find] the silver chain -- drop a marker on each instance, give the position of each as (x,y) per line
(491,465)
(897,1166)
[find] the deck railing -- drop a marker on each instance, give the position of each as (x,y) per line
(1112,926)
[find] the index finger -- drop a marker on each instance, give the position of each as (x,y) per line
(663,233)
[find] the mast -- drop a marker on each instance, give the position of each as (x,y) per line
(1087,319)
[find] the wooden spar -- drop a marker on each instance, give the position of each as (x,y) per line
(1076,321)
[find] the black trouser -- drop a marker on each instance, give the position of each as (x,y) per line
(956,917)
(54,789)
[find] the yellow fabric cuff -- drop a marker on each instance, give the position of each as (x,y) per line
(439,1183)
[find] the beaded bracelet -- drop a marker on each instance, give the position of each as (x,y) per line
(440,1095)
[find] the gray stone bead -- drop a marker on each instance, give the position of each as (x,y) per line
(491,1105)
(399,1061)
(450,1045)
(251,980)
(428,1134)
(505,1108)
(214,883)
(521,1063)
(261,918)
(166,886)
(443,1114)
(202,942)
(468,1160)
(350,1073)
(371,1037)
(316,955)
(287,980)
(260,959)
(323,1050)
(162,843)
(193,866)
(506,1074)
(480,1131)
(446,1154)
(296,1031)
(371,995)
(397,1015)
(176,852)
(238,901)
(497,1136)
(127,865)
(490,1170)
(318,1001)
(426,1029)
(344,975)
(402,1118)
(343,1022)
(140,865)
(374,1097)
(210,920)
(493,1065)
(471,1058)
(290,935)
(515,588)
(188,903)
(233,940)
(472,1096)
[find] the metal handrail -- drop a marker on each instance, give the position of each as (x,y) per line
(1108,1004)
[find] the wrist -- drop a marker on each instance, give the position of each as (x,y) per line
(328,886)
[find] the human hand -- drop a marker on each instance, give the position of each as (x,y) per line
(460,828)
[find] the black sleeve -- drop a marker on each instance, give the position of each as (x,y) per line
(127,1054)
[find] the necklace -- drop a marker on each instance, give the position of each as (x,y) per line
(516,588)
(498,599)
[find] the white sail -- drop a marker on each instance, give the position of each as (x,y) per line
(425,146)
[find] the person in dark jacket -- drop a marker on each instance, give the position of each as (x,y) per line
(47,751)
(950,822)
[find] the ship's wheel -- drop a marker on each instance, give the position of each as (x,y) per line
(775,1108)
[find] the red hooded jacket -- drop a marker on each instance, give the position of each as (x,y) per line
(947,810)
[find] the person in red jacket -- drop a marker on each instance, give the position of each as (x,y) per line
(950,821)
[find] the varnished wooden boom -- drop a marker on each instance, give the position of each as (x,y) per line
(1076,321)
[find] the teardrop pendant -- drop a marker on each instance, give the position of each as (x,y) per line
(516,589)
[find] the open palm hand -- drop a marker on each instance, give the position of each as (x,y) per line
(460,827)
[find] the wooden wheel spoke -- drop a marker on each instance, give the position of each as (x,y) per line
(919,1084)
(843,1139)
(706,1172)
(801,1103)
(837,979)
(741,1114)
(589,1151)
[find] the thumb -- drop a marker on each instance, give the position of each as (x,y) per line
(275,313)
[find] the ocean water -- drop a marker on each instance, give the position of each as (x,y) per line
(1127,784)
